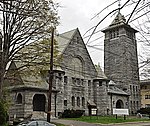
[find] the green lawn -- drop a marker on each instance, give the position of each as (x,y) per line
(108,119)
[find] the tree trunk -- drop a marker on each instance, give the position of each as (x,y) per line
(1,67)
(1,74)
(0,86)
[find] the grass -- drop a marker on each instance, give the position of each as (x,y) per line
(108,119)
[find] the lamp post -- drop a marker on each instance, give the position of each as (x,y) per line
(50,76)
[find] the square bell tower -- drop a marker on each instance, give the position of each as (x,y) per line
(121,60)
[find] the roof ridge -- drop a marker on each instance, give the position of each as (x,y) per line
(68,31)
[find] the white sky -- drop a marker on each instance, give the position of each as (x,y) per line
(78,13)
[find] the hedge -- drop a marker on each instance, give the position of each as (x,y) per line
(72,113)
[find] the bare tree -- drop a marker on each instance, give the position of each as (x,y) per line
(22,22)
(144,39)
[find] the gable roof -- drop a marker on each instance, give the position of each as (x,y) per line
(64,39)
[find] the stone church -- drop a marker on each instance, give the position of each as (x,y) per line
(79,84)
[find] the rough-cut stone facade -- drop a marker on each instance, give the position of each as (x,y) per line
(121,60)
(77,84)
(83,82)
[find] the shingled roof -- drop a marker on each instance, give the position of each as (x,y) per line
(119,19)
(63,42)
(100,74)
(114,90)
(64,39)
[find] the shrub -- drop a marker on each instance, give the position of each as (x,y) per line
(72,113)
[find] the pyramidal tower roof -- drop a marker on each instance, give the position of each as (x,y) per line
(119,19)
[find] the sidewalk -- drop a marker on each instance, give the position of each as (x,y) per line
(79,123)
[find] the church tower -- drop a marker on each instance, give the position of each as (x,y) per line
(121,60)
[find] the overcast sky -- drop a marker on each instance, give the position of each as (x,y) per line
(79,13)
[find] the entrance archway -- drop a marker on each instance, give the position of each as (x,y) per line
(39,101)
(119,104)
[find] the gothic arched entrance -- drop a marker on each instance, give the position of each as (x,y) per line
(119,104)
(39,101)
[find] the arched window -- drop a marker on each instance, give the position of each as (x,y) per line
(114,33)
(19,99)
(119,104)
(77,66)
(83,101)
(73,101)
(78,101)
